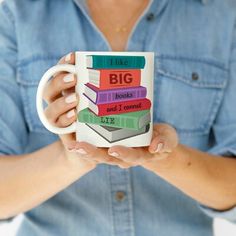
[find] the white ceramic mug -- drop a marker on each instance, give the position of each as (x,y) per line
(127,77)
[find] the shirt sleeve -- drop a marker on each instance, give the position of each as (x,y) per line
(13,130)
(224,130)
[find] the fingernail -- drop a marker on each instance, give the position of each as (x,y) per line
(114,154)
(68,57)
(71,149)
(69,78)
(81,151)
(70,114)
(159,147)
(71,98)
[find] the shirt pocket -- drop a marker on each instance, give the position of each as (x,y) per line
(29,74)
(188,93)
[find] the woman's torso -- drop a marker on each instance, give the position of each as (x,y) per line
(191,41)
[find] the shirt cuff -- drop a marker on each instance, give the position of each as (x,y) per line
(229,214)
(223,151)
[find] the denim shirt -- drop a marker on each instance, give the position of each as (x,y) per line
(195,91)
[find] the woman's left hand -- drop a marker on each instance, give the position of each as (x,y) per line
(164,141)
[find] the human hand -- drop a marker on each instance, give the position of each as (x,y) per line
(61,110)
(164,141)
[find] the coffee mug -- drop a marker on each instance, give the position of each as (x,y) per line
(116,98)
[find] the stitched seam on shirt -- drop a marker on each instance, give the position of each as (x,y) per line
(130,194)
(111,204)
(40,129)
(205,128)
(133,36)
(7,11)
(200,131)
(215,108)
(27,110)
(28,113)
(211,62)
(233,44)
(222,151)
(28,61)
(185,80)
(11,149)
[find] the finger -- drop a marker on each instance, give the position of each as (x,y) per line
(136,156)
(68,59)
(98,155)
(67,139)
(61,80)
(68,91)
(165,139)
(91,152)
(55,86)
(66,119)
(60,106)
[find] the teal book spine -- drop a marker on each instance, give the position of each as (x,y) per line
(115,62)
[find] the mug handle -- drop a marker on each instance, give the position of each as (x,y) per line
(39,98)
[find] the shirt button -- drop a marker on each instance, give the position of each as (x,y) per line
(150,17)
(195,76)
(120,196)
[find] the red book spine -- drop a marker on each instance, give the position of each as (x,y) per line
(112,79)
(122,107)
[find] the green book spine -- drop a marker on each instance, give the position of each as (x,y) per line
(115,62)
(131,120)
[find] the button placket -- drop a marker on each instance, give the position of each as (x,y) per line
(121,201)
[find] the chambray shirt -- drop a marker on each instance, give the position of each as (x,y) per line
(195,91)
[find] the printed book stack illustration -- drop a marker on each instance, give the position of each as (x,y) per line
(117,105)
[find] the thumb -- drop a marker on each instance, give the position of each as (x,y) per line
(165,139)
(68,140)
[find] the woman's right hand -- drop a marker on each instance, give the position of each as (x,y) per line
(61,110)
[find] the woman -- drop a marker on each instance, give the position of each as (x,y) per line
(173,187)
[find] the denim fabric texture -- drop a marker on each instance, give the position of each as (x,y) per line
(195,91)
